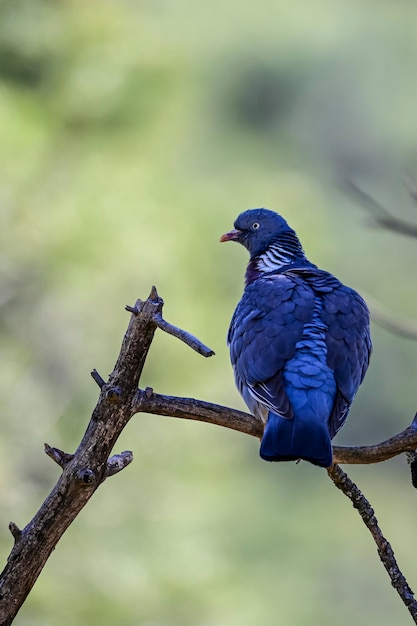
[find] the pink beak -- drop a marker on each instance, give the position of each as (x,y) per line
(232,236)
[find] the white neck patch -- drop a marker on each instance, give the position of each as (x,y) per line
(272,260)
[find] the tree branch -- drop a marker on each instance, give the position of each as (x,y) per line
(385,552)
(380,215)
(383,218)
(188,408)
(119,399)
(84,471)
(182,335)
(398,326)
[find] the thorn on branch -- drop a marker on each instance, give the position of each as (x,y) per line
(117,463)
(59,456)
(16,532)
(183,335)
(97,378)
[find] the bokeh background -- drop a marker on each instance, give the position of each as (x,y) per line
(132,134)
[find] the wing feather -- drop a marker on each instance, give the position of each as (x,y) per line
(267,324)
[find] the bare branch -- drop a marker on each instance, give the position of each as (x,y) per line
(405,441)
(179,333)
(397,326)
(190,408)
(187,338)
(85,471)
(380,215)
(91,464)
(57,455)
(383,218)
(385,552)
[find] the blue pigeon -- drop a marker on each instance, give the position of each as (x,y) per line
(299,342)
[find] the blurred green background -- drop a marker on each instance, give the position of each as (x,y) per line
(132,134)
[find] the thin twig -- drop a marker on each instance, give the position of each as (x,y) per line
(385,552)
(83,473)
(383,218)
(379,314)
(379,213)
(97,378)
(119,399)
(183,335)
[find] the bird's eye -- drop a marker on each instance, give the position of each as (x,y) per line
(256,225)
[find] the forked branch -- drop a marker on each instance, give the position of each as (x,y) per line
(86,469)
(119,399)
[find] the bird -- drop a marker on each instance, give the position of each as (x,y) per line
(299,342)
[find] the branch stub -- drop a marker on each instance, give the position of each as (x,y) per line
(16,532)
(85,476)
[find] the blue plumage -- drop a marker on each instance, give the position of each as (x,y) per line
(299,342)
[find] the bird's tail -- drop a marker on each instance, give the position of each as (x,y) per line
(302,437)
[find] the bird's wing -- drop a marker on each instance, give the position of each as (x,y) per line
(349,346)
(266,326)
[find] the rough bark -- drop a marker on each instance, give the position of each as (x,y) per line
(385,552)
(84,471)
(91,464)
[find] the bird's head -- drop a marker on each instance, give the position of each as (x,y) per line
(257,229)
